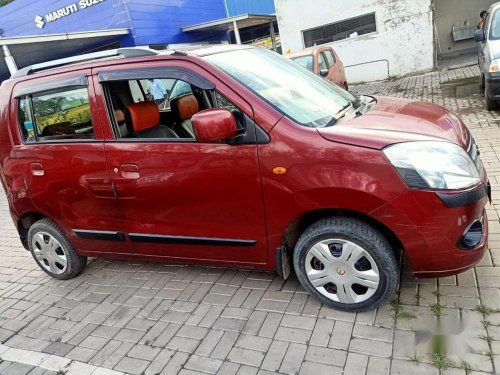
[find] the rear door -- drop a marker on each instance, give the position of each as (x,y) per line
(59,146)
(183,199)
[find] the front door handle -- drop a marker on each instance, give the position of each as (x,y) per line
(37,169)
(130,171)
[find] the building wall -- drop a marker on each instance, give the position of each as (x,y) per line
(403,43)
(149,21)
(238,7)
(458,13)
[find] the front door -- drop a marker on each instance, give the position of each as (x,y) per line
(182,199)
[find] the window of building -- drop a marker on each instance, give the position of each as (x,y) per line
(340,30)
(56,115)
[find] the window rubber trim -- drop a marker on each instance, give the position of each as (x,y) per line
(184,74)
(38,87)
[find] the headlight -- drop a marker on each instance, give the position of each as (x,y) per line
(433,165)
(495,66)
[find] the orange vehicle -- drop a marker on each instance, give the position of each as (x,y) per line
(323,61)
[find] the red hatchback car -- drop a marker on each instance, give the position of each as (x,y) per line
(236,156)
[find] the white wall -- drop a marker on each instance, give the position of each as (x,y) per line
(403,41)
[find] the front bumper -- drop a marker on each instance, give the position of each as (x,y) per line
(431,228)
(492,86)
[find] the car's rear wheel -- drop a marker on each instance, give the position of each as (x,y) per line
(346,263)
(53,252)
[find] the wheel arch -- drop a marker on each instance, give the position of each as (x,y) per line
(299,224)
(24,223)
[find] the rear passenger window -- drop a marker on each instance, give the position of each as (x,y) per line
(25,120)
(56,115)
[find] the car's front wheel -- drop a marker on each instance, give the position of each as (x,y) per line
(346,263)
(53,252)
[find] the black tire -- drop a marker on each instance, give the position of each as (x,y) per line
(75,263)
(361,234)
(482,88)
(491,105)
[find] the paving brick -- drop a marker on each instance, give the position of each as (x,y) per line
(246,357)
(132,366)
(275,355)
(183,344)
(143,352)
(356,363)
(159,362)
(175,364)
(292,362)
(224,346)
(311,368)
(203,364)
(322,332)
(400,367)
(341,335)
(365,346)
(81,354)
(326,356)
(297,335)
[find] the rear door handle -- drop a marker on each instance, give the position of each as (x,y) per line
(37,169)
(130,171)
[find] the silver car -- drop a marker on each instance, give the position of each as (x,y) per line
(489,57)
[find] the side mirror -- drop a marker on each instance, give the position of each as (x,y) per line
(323,73)
(213,125)
(479,36)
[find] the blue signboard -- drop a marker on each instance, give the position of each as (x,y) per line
(150,21)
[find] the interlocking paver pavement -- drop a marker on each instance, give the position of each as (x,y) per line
(151,318)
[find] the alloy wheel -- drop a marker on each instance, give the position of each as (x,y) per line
(49,253)
(342,271)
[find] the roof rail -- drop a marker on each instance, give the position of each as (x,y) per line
(125,52)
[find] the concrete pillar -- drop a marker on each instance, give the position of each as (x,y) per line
(9,60)
(273,36)
(236,32)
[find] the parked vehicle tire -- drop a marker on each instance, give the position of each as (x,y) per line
(491,105)
(346,87)
(53,252)
(482,88)
(346,263)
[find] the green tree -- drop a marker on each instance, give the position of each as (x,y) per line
(5,2)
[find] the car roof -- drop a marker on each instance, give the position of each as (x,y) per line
(114,59)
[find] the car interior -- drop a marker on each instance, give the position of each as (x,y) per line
(163,112)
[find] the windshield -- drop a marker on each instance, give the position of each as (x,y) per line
(495,26)
(306,61)
(296,92)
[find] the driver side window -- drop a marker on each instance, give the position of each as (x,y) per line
(161,108)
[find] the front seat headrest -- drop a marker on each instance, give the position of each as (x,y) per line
(142,116)
(185,107)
